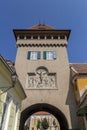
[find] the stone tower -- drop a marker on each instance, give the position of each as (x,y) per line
(43,69)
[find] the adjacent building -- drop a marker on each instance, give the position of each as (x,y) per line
(79,81)
(35,121)
(11,96)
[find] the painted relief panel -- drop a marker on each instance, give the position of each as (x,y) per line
(41,79)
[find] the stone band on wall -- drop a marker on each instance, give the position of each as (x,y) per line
(41,45)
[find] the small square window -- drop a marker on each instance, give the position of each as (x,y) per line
(48,37)
(42,37)
(55,37)
(49,55)
(62,37)
(33,55)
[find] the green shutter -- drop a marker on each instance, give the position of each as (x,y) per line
(38,55)
(44,55)
(28,55)
(54,55)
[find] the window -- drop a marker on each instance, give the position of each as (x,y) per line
(48,37)
(34,120)
(55,37)
(62,37)
(28,37)
(21,37)
(33,55)
(35,37)
(42,37)
(49,55)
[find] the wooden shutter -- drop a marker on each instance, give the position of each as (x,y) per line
(54,55)
(38,55)
(28,55)
(44,55)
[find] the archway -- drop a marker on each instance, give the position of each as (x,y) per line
(44,107)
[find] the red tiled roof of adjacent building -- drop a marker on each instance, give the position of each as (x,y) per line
(80,68)
(42,113)
(42,27)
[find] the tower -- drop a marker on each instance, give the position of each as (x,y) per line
(43,69)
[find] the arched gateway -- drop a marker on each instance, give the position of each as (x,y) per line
(44,107)
(43,69)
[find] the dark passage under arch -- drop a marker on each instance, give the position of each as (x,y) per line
(44,107)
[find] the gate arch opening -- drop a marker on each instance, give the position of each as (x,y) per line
(44,107)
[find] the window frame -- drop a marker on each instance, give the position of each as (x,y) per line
(32,56)
(49,55)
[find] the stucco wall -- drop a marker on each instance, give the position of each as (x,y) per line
(63,96)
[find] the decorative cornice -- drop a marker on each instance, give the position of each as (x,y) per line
(42,45)
(30,32)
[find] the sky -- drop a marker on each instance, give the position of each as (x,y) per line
(61,14)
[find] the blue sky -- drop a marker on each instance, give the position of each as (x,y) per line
(61,14)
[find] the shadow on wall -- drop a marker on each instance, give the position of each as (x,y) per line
(73,107)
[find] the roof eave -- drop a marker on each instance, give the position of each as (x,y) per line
(20,31)
(5,63)
(11,72)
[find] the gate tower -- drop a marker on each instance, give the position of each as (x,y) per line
(43,69)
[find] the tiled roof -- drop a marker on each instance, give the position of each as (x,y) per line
(80,68)
(42,113)
(42,27)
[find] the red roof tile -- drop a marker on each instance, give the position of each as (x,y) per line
(81,68)
(42,27)
(42,113)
